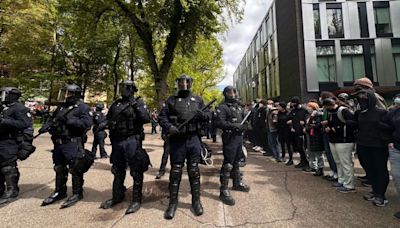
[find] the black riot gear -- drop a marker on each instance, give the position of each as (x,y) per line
(229,117)
(184,83)
(127,89)
(125,120)
(68,127)
(69,94)
(9,95)
(99,107)
(182,117)
(230,93)
(15,120)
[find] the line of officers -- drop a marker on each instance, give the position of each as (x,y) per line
(72,119)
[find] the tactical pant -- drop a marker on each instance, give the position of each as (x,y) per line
(124,153)
(164,159)
(98,140)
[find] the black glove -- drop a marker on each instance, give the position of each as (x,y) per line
(102,126)
(200,115)
(238,127)
(173,131)
(43,130)
(61,118)
(133,104)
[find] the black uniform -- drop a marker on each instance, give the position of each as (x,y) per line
(125,121)
(164,158)
(228,119)
(99,134)
(68,126)
(184,143)
(14,119)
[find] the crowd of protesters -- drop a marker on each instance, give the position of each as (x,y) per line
(336,127)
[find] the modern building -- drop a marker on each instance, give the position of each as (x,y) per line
(303,47)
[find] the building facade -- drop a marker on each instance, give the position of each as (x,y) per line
(303,47)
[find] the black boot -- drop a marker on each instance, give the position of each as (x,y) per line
(2,184)
(319,172)
(238,185)
(137,192)
(61,186)
(118,190)
(77,191)
(174,181)
(225,195)
(11,176)
(194,179)
(164,161)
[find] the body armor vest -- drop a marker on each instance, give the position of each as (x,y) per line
(235,113)
(183,109)
(126,124)
(6,112)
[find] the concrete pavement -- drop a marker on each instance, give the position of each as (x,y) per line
(280,196)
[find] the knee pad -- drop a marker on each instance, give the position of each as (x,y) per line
(60,169)
(193,169)
(227,167)
(116,169)
(7,170)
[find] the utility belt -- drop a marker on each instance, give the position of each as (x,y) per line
(190,128)
(231,132)
(126,137)
(67,140)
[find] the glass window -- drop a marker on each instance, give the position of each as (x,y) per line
(335,23)
(317,24)
(269,26)
(373,62)
(396,56)
(353,64)
(382,20)
(326,64)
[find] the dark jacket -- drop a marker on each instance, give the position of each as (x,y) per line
(282,126)
(260,119)
(340,132)
(315,132)
(392,121)
(371,132)
(297,115)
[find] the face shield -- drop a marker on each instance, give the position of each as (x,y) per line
(184,84)
(64,95)
(125,90)
(3,96)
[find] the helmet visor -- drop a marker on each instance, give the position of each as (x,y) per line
(63,94)
(184,84)
(125,90)
(3,96)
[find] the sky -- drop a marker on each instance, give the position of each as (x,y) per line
(239,36)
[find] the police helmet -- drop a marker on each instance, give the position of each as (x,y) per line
(9,95)
(184,83)
(99,106)
(127,88)
(69,93)
(230,92)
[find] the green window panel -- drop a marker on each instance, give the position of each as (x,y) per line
(382,20)
(358,67)
(347,69)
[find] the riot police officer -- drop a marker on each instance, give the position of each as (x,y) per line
(125,120)
(228,119)
(99,134)
(68,126)
(14,118)
(184,143)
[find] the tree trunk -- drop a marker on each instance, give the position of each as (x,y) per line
(115,70)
